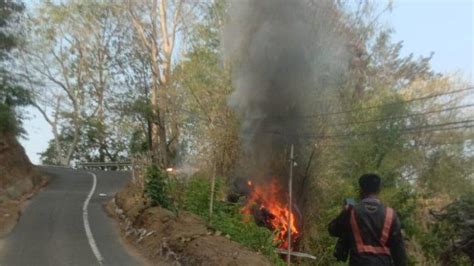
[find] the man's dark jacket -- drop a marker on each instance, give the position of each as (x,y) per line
(368,218)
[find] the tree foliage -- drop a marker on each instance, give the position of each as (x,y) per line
(11,93)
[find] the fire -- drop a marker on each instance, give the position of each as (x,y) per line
(267,203)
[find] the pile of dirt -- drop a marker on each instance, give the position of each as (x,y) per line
(166,238)
(19,179)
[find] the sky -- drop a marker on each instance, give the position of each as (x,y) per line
(445,27)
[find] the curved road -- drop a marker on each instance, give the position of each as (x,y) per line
(53,227)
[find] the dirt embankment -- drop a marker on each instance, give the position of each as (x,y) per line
(165,238)
(19,179)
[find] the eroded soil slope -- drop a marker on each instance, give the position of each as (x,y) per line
(166,238)
(18,180)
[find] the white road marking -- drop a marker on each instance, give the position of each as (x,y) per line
(85,218)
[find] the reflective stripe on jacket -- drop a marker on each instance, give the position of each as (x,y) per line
(382,247)
(373,234)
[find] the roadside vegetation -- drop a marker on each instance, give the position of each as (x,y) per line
(193,196)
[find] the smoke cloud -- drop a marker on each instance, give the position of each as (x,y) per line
(287,57)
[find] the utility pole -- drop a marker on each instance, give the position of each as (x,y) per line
(213,185)
(290,188)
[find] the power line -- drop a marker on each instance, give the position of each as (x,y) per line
(412,130)
(404,116)
(367,108)
(469,141)
(364,121)
(370,107)
(395,103)
(405,131)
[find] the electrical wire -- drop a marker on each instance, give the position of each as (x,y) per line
(368,108)
(388,104)
(410,130)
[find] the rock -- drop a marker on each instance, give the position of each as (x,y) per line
(19,188)
(3,196)
(151,215)
(13,192)
(216,250)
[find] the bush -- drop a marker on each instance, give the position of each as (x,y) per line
(196,197)
(7,120)
(228,219)
(454,229)
(156,187)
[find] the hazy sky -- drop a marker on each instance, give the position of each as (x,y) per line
(444,27)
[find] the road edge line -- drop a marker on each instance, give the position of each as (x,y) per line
(85,219)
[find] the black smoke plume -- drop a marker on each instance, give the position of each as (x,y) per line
(288,57)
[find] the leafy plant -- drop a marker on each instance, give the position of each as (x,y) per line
(455,228)
(156,187)
(11,94)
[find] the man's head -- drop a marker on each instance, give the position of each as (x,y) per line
(369,184)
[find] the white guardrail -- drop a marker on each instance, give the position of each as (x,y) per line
(105,166)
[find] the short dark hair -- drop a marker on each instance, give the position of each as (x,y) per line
(370,183)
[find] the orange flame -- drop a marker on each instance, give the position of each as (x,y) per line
(270,202)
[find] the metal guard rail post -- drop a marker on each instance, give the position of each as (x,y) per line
(105,166)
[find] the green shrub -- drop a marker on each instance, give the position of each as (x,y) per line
(156,187)
(196,198)
(228,219)
(8,123)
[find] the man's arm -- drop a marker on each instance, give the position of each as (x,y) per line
(396,244)
(338,226)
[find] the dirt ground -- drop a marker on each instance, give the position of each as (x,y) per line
(9,214)
(165,238)
(10,209)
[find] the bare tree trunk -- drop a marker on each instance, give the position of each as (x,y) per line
(158,37)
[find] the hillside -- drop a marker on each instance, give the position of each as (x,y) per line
(18,179)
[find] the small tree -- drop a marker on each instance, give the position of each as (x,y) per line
(156,187)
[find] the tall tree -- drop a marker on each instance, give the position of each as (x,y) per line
(55,62)
(211,128)
(72,62)
(158,26)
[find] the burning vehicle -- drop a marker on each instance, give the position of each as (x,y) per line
(268,204)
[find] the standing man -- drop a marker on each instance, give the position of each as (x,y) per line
(369,230)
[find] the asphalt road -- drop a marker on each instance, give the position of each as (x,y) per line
(65,224)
